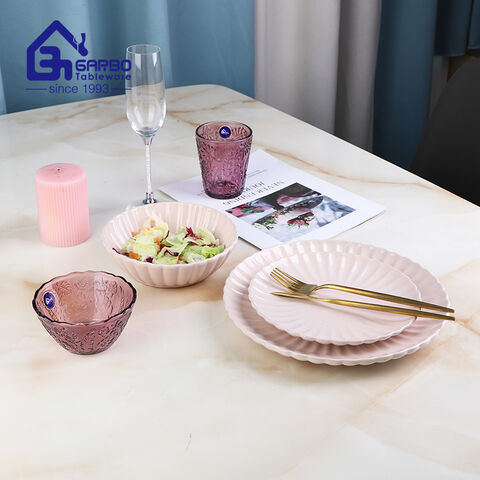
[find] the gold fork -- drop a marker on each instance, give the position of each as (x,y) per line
(302,288)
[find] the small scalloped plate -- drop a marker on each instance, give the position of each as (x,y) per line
(328,323)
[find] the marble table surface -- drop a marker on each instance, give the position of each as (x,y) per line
(183,393)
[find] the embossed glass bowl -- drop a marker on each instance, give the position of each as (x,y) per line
(85,312)
(176,214)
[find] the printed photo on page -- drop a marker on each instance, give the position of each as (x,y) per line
(291,212)
(281,203)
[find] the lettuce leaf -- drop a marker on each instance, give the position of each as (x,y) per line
(205,235)
(143,247)
(194,249)
(192,257)
(209,252)
(166,260)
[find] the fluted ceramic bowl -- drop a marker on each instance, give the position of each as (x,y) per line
(85,312)
(176,214)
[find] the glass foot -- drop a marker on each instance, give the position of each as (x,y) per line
(149,198)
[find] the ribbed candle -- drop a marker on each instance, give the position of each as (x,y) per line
(62,201)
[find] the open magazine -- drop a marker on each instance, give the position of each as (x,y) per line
(281,203)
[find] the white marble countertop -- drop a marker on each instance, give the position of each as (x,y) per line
(183,394)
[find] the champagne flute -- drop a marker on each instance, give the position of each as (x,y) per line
(146,106)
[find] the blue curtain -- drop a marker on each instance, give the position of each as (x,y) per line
(3,106)
(207,41)
(458,27)
(411,32)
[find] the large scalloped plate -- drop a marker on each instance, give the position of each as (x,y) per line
(244,316)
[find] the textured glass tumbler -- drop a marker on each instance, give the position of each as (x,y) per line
(223,150)
(85,312)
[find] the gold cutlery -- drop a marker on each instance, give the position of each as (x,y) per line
(305,289)
(367,306)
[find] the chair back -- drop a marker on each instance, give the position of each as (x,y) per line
(449,150)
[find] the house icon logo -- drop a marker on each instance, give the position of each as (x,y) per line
(55,63)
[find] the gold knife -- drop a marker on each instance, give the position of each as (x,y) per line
(367,306)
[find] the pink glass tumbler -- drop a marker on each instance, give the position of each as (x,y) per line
(223,149)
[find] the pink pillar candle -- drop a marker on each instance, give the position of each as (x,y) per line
(62,202)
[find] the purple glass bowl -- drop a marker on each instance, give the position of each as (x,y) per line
(85,312)
(223,150)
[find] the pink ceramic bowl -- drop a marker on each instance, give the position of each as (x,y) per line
(85,312)
(176,214)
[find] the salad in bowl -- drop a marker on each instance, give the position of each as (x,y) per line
(156,243)
(170,244)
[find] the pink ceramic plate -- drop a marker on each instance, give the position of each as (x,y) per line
(240,310)
(327,323)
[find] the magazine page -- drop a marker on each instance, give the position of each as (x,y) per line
(281,203)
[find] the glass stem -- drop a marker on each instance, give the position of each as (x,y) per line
(149,198)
